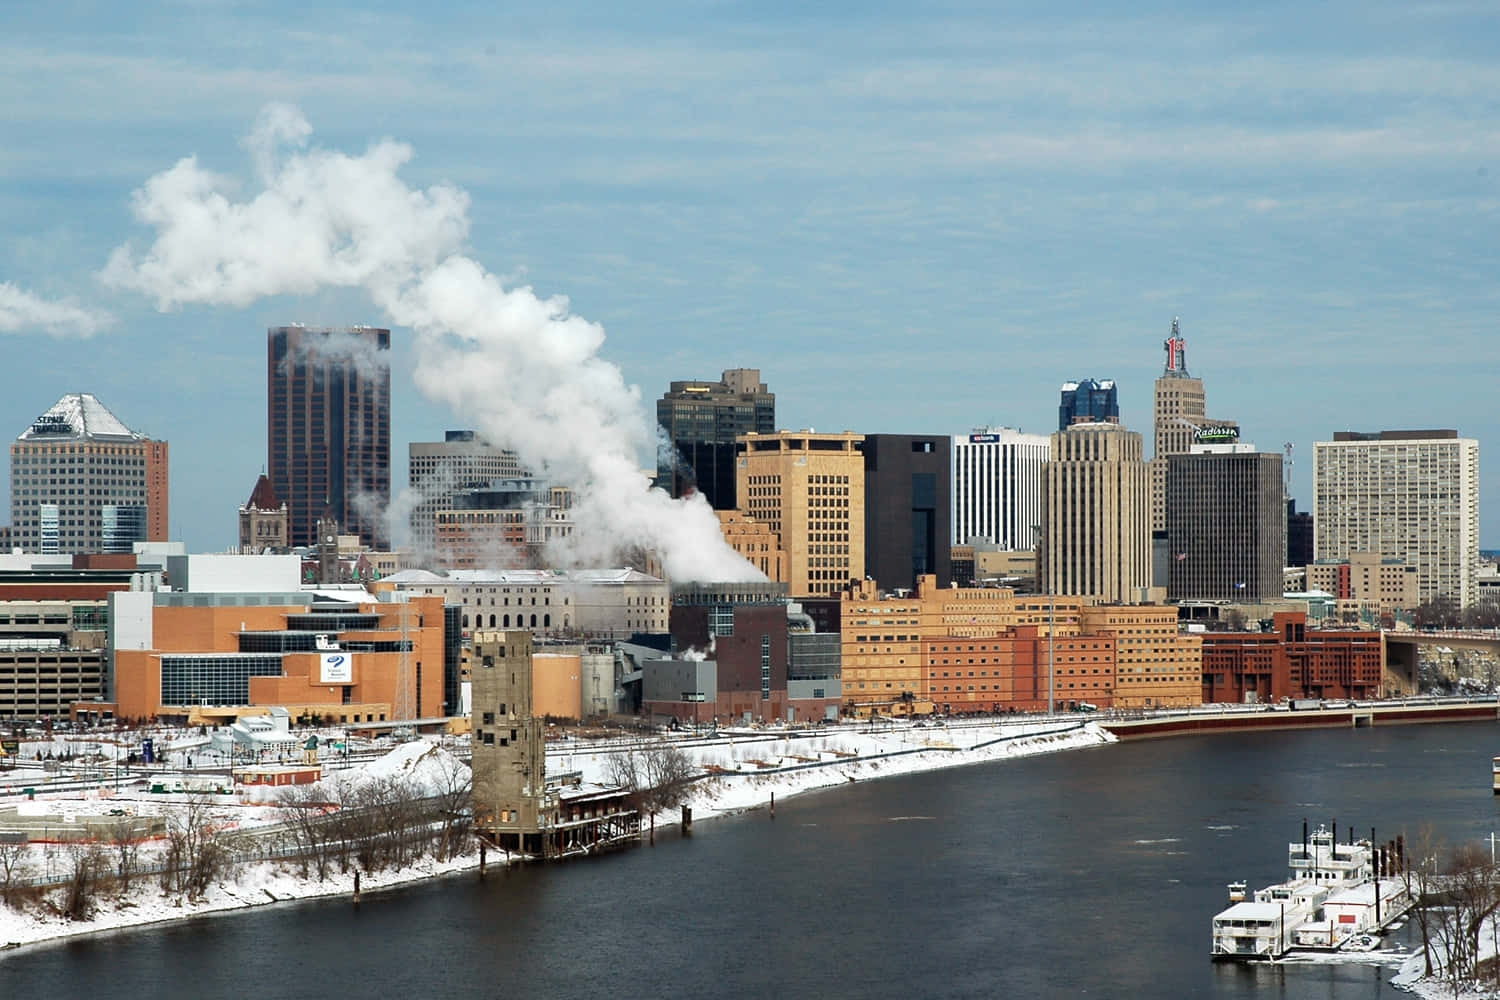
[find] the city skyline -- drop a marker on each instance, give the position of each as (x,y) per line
(1314,200)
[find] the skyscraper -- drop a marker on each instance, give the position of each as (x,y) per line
(1088,401)
(1096,538)
(809,488)
(81,481)
(997,486)
(907,509)
(701,420)
(328,427)
(1226,528)
(1179,414)
(439,471)
(1410,495)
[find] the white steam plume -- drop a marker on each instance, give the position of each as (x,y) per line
(340,346)
(22,312)
(522,369)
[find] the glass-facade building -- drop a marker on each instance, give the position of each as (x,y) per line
(1088,401)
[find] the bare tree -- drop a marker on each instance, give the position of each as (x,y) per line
(127,847)
(12,862)
(1425,848)
(86,861)
(658,776)
(304,817)
(454,786)
(194,854)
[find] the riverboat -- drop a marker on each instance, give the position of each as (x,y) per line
(1332,895)
(1495,774)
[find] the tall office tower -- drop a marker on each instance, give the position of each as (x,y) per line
(81,481)
(1179,416)
(702,421)
(1088,401)
(1410,495)
(328,427)
(997,486)
(438,471)
(1096,536)
(1226,528)
(907,509)
(809,488)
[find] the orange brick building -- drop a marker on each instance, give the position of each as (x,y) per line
(1291,661)
(986,649)
(176,653)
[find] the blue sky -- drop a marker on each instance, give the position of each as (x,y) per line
(909,217)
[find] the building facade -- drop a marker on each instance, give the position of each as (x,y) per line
(188,655)
(1408,494)
(52,655)
(742,629)
(81,481)
(702,421)
(987,649)
(1225,530)
(1291,661)
(1388,585)
(755,542)
(263,520)
(1096,538)
(908,509)
(585,604)
(328,427)
(997,486)
(1179,414)
(504,524)
(809,489)
(1088,401)
(439,471)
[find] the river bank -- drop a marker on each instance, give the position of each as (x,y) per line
(750,769)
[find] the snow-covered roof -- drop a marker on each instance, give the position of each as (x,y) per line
(78,415)
(521,576)
(1250,911)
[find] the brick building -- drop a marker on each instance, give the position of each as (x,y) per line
(1291,661)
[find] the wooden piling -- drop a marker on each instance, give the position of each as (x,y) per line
(687,821)
(356,888)
(773,805)
(481,860)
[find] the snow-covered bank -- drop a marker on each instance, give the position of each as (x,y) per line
(254,885)
(1410,977)
(750,771)
(747,769)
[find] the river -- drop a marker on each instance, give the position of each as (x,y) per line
(1088,873)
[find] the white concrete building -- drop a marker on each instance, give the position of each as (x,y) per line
(589,603)
(997,486)
(1410,495)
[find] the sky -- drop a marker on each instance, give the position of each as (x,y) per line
(911,218)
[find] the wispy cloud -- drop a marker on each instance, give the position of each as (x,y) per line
(23,312)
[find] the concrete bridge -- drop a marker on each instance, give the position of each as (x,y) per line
(1398,652)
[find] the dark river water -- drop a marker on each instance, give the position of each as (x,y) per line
(1090,873)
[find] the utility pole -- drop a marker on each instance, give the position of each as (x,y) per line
(1051,651)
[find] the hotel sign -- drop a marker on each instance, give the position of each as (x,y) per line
(336,668)
(1217,434)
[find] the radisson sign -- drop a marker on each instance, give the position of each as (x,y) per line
(1217,434)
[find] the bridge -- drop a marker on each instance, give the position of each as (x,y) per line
(1398,652)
